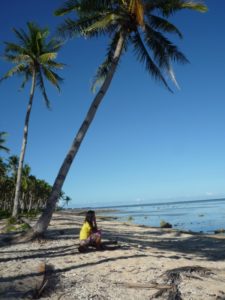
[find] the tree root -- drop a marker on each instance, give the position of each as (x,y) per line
(23,237)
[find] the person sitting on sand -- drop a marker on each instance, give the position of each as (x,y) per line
(90,235)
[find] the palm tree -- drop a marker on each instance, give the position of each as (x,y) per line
(34,58)
(2,141)
(137,23)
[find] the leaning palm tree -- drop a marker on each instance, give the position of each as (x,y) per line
(2,141)
(34,59)
(140,24)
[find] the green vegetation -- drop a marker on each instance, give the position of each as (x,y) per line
(10,228)
(16,227)
(11,221)
(143,26)
(34,191)
(33,58)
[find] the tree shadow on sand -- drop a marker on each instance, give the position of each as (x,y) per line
(69,268)
(206,247)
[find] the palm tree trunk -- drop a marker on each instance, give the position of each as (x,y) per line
(46,216)
(23,149)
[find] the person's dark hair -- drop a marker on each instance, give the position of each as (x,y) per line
(90,218)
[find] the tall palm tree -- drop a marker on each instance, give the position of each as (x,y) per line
(2,141)
(34,58)
(137,23)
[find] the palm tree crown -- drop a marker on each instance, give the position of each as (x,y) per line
(33,53)
(143,23)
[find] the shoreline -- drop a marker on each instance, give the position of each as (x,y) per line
(137,268)
(149,204)
(130,217)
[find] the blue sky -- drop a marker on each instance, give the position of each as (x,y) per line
(146,144)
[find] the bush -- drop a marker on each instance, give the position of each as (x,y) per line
(31,214)
(11,221)
(24,227)
(4,214)
(10,228)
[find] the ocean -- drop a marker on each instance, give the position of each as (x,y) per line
(198,216)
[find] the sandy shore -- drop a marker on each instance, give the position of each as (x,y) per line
(147,263)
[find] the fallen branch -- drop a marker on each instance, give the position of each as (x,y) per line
(143,286)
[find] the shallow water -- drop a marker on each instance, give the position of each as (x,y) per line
(199,216)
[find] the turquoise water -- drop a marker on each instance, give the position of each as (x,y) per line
(199,216)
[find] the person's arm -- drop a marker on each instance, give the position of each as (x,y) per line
(95,224)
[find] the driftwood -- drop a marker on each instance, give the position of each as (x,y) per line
(47,284)
(171,280)
(143,286)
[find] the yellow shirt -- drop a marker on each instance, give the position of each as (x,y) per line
(85,231)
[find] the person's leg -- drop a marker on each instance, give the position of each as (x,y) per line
(96,239)
(83,247)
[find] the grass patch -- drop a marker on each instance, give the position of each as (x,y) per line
(16,227)
(10,228)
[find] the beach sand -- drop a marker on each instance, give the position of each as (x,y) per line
(143,265)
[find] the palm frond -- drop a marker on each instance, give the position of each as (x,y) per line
(22,36)
(163,49)
(102,24)
(18,69)
(27,76)
(52,77)
(144,57)
(68,7)
(14,48)
(106,65)
(3,134)
(84,6)
(17,58)
(54,45)
(71,28)
(200,7)
(54,64)
(168,7)
(41,85)
(162,24)
(46,57)
(4,148)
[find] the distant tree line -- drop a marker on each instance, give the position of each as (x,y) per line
(34,191)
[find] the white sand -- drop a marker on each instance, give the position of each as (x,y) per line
(134,270)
